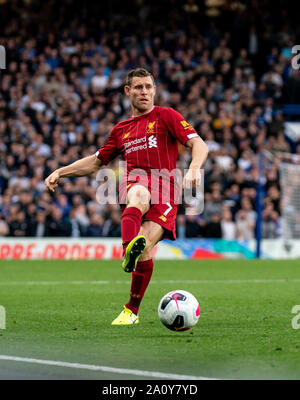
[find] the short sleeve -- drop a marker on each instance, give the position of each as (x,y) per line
(109,150)
(177,126)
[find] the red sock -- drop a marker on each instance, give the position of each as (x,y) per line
(130,224)
(140,281)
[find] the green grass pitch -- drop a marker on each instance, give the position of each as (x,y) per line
(62,310)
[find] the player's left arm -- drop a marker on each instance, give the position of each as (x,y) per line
(187,135)
(199,156)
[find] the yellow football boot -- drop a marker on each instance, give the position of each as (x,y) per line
(127,317)
(133,253)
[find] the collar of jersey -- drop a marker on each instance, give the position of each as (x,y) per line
(143,115)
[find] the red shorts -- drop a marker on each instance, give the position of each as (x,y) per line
(163,213)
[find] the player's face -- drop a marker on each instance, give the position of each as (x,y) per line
(141,94)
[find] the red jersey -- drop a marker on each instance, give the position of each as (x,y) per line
(149,141)
(149,145)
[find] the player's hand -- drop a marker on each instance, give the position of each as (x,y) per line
(52,181)
(192,178)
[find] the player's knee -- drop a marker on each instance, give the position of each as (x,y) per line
(139,197)
(142,207)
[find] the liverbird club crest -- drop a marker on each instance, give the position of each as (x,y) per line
(150,128)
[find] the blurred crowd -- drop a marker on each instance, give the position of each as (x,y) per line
(62,92)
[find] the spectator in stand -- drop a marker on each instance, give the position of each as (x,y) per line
(213,206)
(213,228)
(112,226)
(39,226)
(228,226)
(80,215)
(247,206)
(77,228)
(59,227)
(62,203)
(244,226)
(18,225)
(193,226)
(270,225)
(95,228)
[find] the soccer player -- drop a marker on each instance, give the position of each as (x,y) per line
(148,141)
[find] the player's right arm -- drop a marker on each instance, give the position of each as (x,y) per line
(87,165)
(82,167)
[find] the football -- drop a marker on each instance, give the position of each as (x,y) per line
(179,310)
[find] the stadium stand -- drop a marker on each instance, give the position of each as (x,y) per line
(61,94)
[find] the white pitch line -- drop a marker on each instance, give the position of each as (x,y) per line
(191,281)
(136,372)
